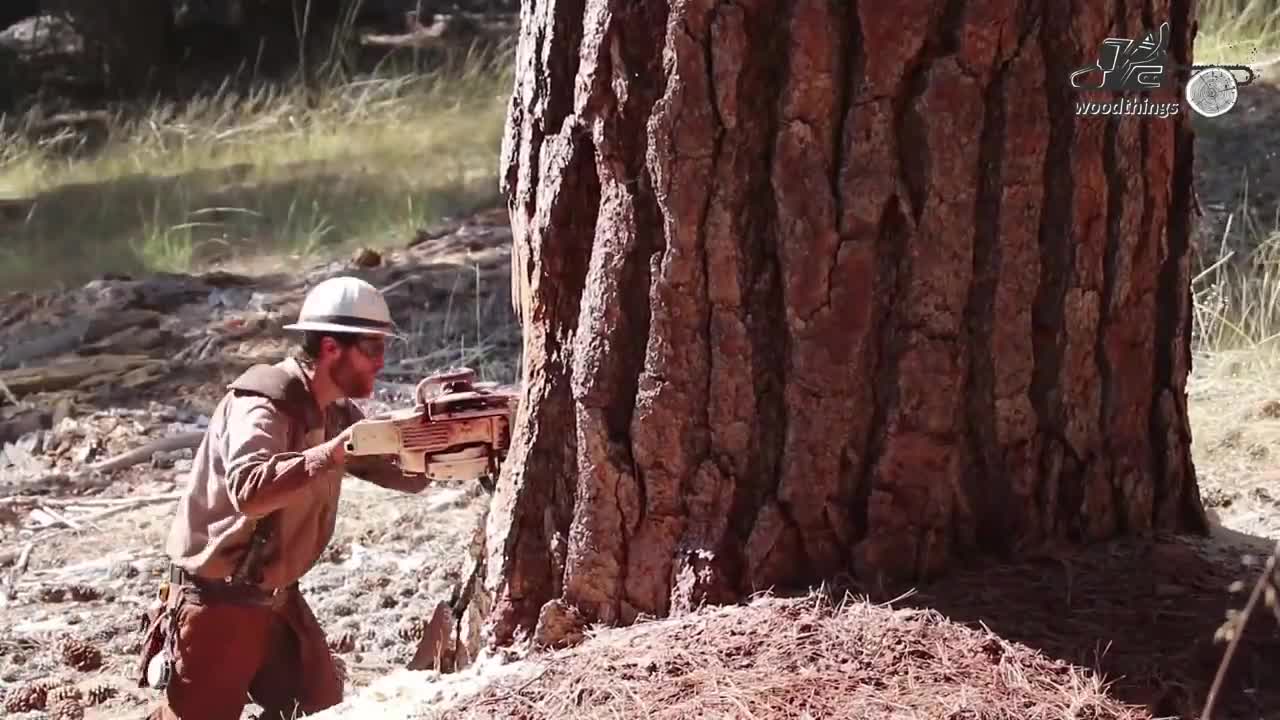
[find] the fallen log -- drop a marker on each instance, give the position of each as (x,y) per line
(66,374)
(78,332)
(51,518)
(130,341)
(144,375)
(126,506)
(17,305)
(128,380)
(94,475)
(63,340)
(83,504)
(144,453)
(19,421)
(167,291)
(109,321)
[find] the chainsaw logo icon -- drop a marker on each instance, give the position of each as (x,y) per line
(1128,65)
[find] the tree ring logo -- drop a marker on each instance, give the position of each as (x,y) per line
(1144,65)
(1212,91)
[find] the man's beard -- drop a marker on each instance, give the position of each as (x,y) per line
(350,382)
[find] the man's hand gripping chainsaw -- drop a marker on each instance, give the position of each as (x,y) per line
(458,429)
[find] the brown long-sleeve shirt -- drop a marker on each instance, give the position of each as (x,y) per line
(253,461)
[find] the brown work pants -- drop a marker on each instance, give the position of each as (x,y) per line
(228,654)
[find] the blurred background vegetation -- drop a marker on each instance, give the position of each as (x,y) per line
(143,135)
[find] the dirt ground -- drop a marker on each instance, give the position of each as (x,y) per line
(80,556)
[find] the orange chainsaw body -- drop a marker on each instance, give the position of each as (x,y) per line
(457,430)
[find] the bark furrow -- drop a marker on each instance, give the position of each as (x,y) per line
(985,491)
(1056,250)
(1017,269)
(1179,505)
(774,553)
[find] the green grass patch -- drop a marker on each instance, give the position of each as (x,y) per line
(280,172)
(1237,31)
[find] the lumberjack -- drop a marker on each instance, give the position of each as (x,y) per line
(230,624)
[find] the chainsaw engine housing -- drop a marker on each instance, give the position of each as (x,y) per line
(457,430)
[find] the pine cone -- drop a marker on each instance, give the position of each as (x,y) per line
(412,631)
(106,634)
(342,609)
(403,654)
(50,683)
(26,698)
(84,593)
(63,692)
(372,583)
(343,643)
(68,709)
(81,655)
(99,694)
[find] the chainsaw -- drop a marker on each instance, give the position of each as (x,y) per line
(458,429)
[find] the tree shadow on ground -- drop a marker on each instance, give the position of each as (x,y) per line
(1142,614)
(146,223)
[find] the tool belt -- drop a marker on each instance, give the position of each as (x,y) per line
(224,591)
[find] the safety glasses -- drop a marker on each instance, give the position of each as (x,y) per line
(372,348)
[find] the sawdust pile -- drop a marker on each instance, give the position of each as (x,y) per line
(802,658)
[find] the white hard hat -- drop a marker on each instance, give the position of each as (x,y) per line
(345,305)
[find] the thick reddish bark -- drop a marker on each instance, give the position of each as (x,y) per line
(819,287)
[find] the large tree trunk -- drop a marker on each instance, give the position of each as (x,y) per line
(823,286)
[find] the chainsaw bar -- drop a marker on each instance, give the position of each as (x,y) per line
(1248,71)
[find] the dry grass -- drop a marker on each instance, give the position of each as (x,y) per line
(281,171)
(1233,392)
(1237,288)
(1235,409)
(1237,31)
(806,658)
(1234,399)
(474,325)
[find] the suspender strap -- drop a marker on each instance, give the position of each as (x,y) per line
(290,395)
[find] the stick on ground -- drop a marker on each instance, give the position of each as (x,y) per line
(1264,579)
(144,453)
(8,394)
(19,568)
